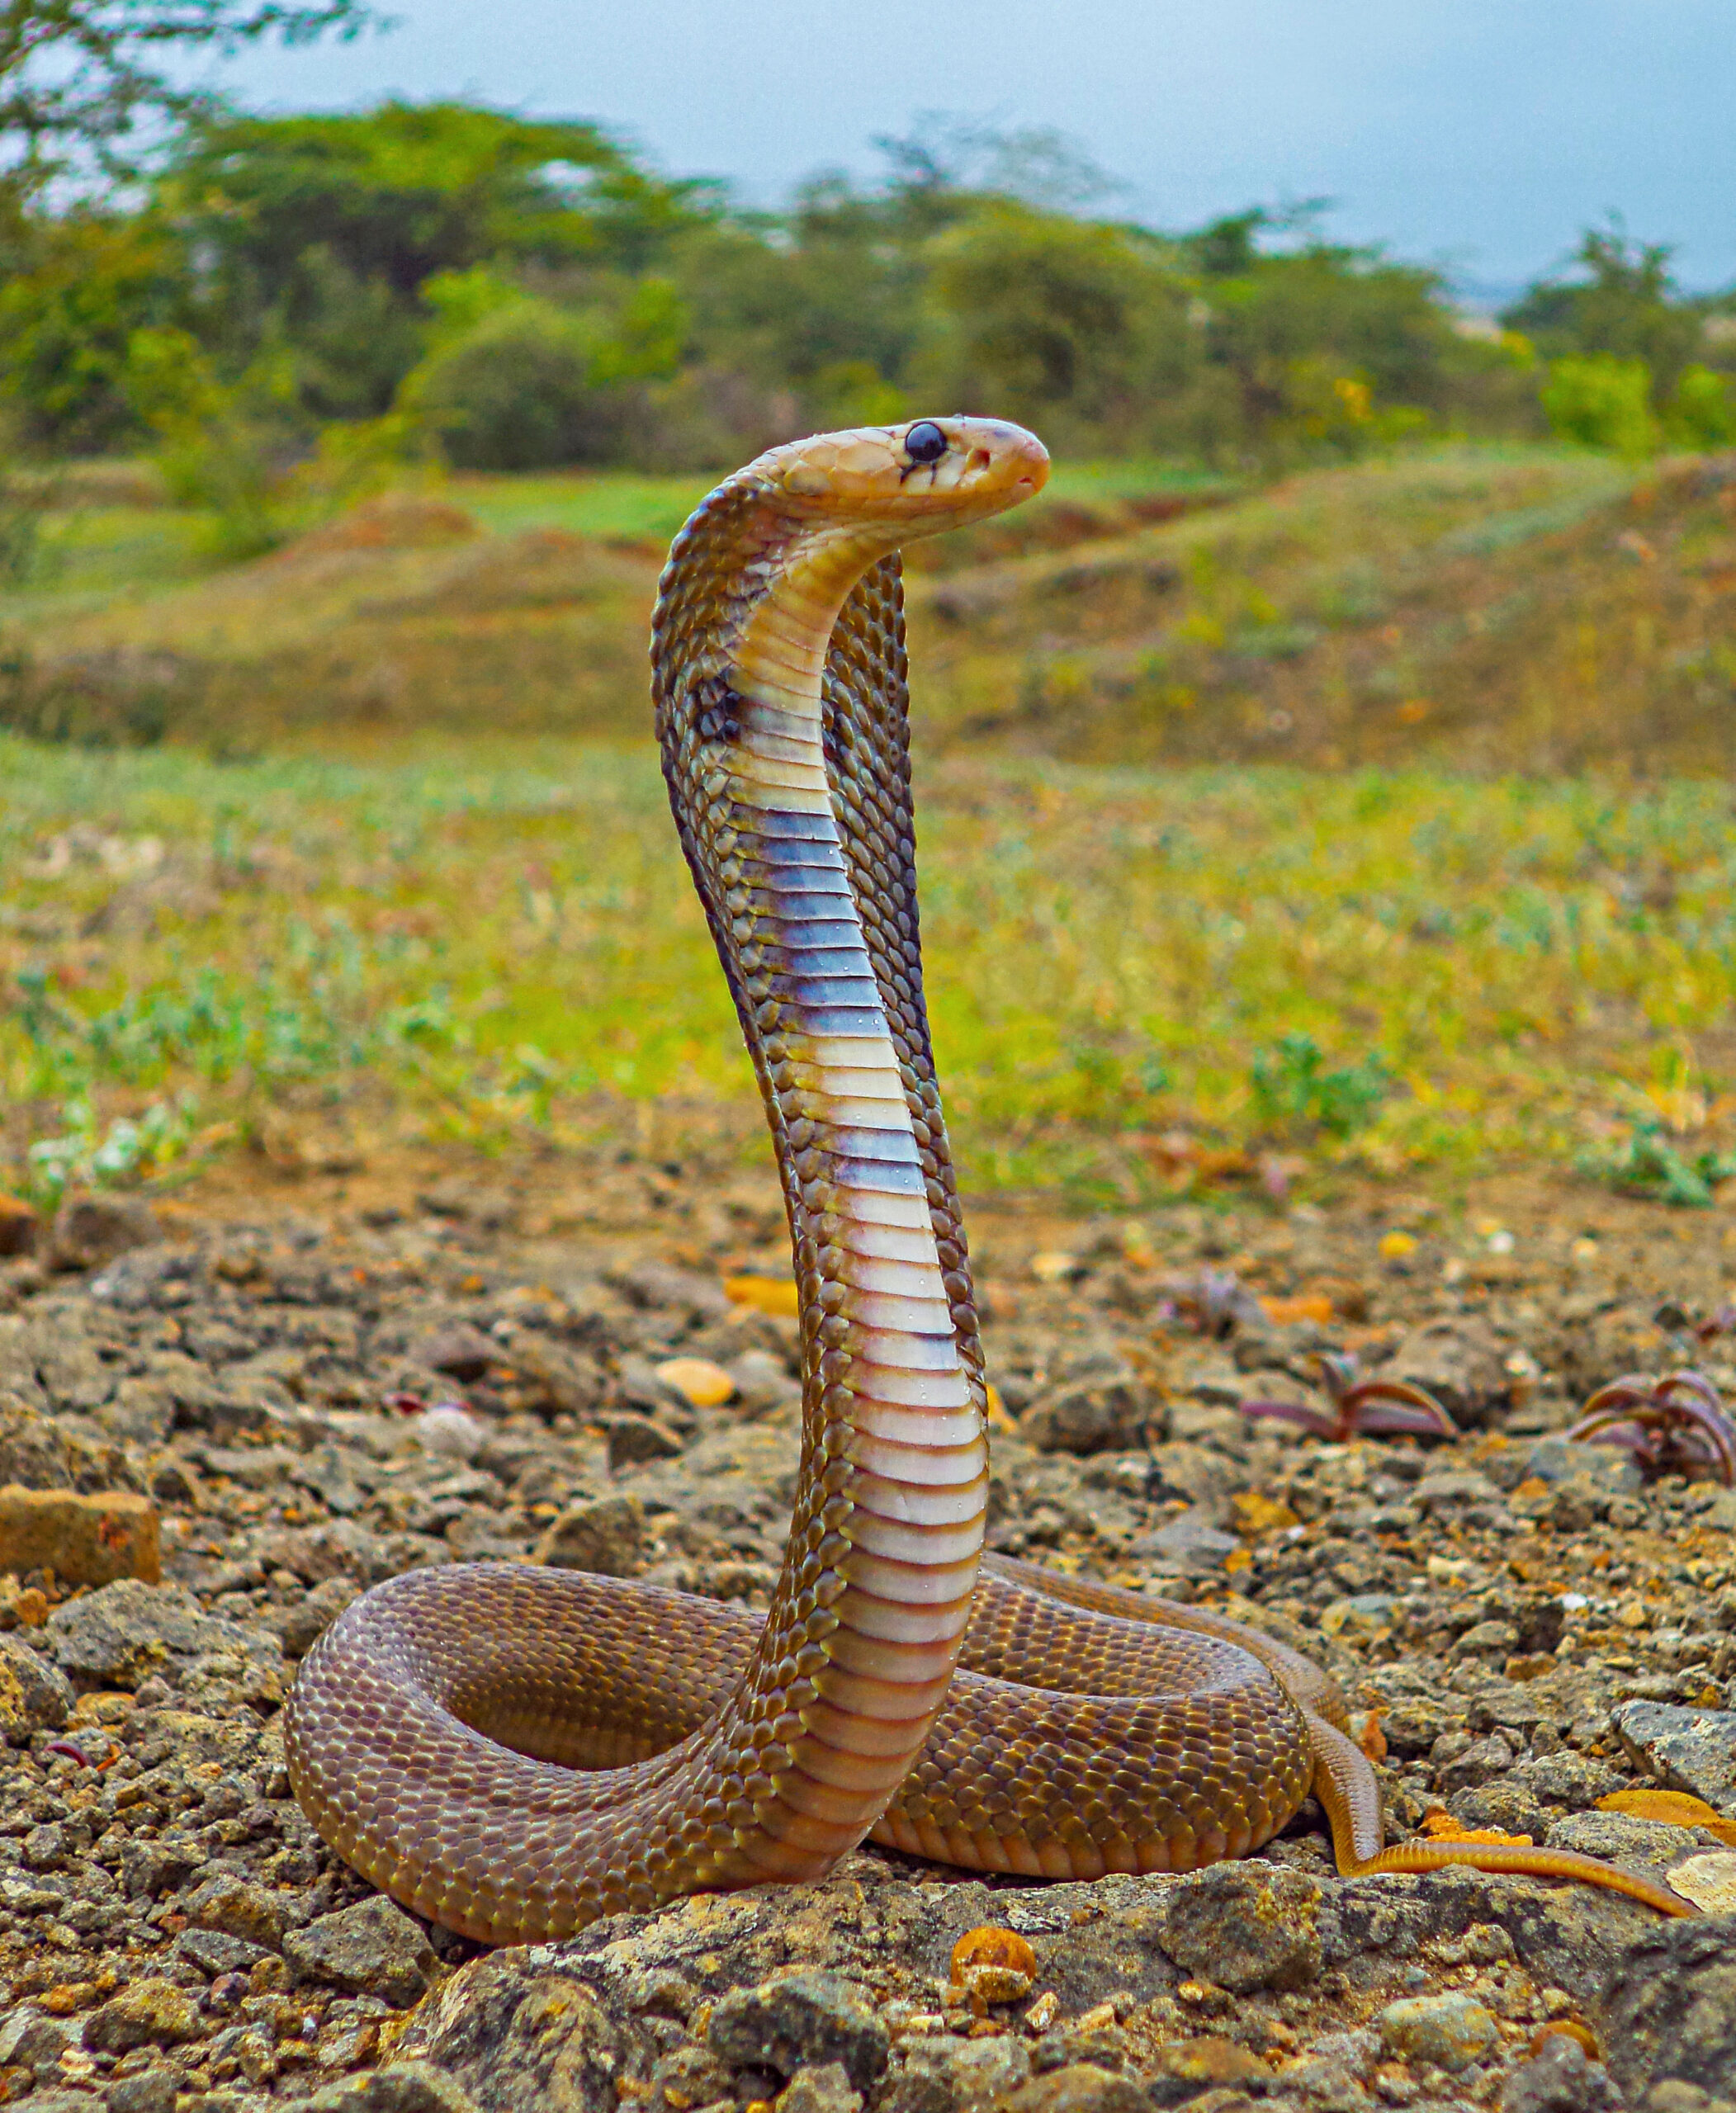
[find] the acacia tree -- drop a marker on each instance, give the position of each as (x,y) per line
(76,76)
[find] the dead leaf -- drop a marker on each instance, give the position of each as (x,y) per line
(1673,1807)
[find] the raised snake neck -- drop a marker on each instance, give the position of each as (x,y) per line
(514,1751)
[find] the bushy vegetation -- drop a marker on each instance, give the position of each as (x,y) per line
(451,282)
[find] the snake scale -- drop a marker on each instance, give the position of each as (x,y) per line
(513,1751)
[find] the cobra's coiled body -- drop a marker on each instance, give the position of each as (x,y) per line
(514,1751)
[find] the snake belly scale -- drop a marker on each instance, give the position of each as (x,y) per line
(514,1751)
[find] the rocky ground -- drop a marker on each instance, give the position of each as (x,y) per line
(246,1390)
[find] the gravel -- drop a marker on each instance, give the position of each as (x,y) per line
(486,1368)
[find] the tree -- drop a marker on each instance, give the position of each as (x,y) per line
(1072,324)
(1625,305)
(79,74)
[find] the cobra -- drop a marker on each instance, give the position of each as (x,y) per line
(514,1750)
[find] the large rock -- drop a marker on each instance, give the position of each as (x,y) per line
(84,1540)
(1668,2011)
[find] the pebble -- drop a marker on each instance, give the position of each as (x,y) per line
(1693,1750)
(1245,1926)
(1452,2031)
(34,1694)
(705,1384)
(826,2089)
(606,1536)
(91,1230)
(152,2012)
(801,2017)
(372,1948)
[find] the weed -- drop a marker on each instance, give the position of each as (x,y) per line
(1291,1088)
(1647,1162)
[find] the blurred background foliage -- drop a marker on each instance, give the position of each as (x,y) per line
(451,282)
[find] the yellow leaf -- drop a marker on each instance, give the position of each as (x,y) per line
(774,1295)
(1673,1807)
(998,1420)
(1395,1246)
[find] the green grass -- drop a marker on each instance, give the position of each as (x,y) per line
(488,947)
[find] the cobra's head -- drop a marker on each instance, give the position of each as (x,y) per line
(919,478)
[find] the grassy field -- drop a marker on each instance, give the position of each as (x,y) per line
(1228,979)
(1491,609)
(1249,857)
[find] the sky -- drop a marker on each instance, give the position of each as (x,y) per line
(1481,135)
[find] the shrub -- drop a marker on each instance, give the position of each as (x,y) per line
(1703,412)
(1602,402)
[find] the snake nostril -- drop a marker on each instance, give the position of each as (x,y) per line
(979,459)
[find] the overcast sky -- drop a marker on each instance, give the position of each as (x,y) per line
(1481,134)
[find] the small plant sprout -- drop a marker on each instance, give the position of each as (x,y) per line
(1360,1407)
(1676,1426)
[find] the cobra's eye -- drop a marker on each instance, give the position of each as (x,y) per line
(925,442)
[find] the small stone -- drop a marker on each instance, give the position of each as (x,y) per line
(1190,1540)
(1560,2078)
(1098,1416)
(405,2087)
(1245,1926)
(826,2089)
(89,1231)
(634,1439)
(150,2013)
(240,1910)
(607,1537)
(1708,1881)
(1693,1750)
(996,1964)
(1082,2088)
(698,1380)
(1451,2031)
(118,1636)
(372,1949)
(461,1352)
(945,2075)
(299,1627)
(19,1226)
(151,2091)
(34,1694)
(799,2018)
(1461,1365)
(84,1540)
(1185,2068)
